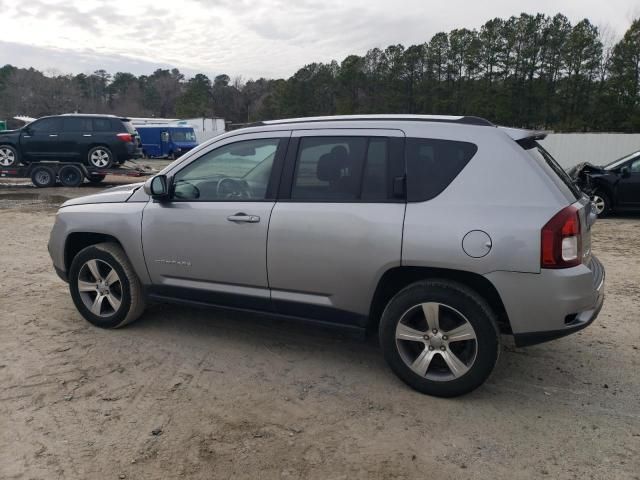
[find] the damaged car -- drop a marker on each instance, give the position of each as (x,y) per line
(612,187)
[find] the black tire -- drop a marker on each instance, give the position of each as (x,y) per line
(457,302)
(604,203)
(100,157)
(43,177)
(132,302)
(9,156)
(70,176)
(96,178)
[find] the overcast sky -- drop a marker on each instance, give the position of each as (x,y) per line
(270,38)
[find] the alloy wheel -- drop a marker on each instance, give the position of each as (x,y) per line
(436,341)
(99,158)
(599,204)
(7,157)
(100,288)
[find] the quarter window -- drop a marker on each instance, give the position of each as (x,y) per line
(342,169)
(235,172)
(433,164)
(635,166)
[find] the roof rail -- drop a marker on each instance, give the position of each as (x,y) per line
(462,119)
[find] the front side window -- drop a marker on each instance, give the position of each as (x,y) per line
(433,164)
(183,136)
(235,172)
(342,169)
(46,125)
(635,166)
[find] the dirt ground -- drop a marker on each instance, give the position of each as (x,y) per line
(188,393)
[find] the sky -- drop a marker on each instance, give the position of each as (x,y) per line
(251,39)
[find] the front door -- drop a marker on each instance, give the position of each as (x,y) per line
(337,226)
(629,187)
(209,242)
(41,139)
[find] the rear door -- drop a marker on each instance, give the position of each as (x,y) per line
(75,138)
(629,187)
(337,225)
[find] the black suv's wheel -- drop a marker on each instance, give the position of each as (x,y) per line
(8,156)
(439,337)
(70,176)
(43,177)
(104,287)
(100,157)
(96,178)
(601,203)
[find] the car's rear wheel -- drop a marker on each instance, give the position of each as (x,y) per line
(601,203)
(439,337)
(100,157)
(104,286)
(8,156)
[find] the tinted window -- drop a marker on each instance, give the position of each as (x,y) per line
(74,124)
(236,172)
(128,126)
(46,125)
(342,169)
(635,166)
(102,125)
(433,164)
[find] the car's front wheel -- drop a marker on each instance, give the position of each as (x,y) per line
(8,156)
(601,203)
(440,337)
(104,286)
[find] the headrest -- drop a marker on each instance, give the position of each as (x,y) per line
(328,169)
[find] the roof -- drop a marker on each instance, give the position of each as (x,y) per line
(465,120)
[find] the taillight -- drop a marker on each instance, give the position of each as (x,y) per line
(125,137)
(561,245)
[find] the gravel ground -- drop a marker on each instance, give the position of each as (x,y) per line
(188,393)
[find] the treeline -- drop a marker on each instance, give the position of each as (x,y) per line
(530,71)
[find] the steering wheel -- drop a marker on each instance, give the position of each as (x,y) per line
(232,188)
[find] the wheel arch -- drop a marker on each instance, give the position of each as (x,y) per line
(397,278)
(76,241)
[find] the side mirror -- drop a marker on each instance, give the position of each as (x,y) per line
(624,172)
(157,187)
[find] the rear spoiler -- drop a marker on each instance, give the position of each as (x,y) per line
(525,138)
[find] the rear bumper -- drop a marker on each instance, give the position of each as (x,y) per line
(553,303)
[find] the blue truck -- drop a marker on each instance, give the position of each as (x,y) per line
(166,141)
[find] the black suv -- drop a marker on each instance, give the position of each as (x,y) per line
(99,141)
(612,187)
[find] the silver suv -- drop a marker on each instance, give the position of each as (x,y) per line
(440,233)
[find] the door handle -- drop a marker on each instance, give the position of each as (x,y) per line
(86,134)
(244,218)
(53,134)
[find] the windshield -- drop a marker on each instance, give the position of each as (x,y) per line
(183,135)
(620,161)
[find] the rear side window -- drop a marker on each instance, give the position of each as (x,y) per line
(336,169)
(74,124)
(433,164)
(102,125)
(128,127)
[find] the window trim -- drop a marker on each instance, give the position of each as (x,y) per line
(274,177)
(396,150)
